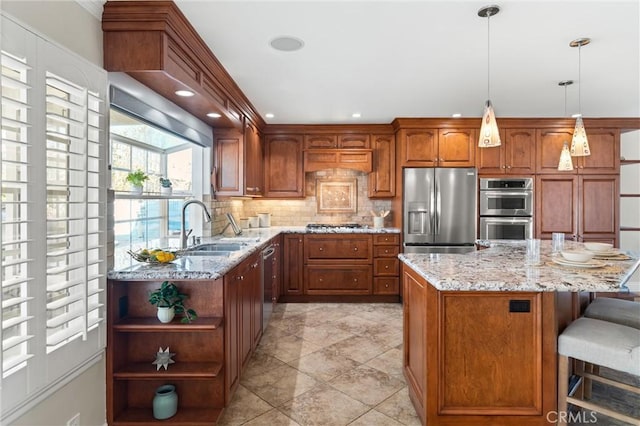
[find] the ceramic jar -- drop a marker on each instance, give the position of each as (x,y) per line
(165,314)
(165,402)
(264,220)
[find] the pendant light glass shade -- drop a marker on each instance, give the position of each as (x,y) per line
(565,163)
(579,142)
(489,134)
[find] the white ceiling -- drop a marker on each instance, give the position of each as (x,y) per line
(387,59)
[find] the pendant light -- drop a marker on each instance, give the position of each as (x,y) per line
(565,164)
(579,142)
(489,134)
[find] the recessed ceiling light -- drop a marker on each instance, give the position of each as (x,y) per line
(269,115)
(356,115)
(287,43)
(456,115)
(184,93)
(214,115)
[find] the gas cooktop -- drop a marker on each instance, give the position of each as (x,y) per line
(334,226)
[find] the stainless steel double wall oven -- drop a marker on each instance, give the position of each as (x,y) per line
(506,208)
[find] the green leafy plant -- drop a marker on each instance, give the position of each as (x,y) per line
(165,182)
(137,178)
(167,296)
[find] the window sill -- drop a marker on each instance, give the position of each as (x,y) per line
(151,196)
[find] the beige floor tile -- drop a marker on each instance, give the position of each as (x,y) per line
(323,406)
(244,406)
(354,324)
(359,348)
(280,385)
(323,335)
(390,362)
(287,347)
(368,385)
(324,364)
(400,408)
(272,418)
(374,418)
(261,362)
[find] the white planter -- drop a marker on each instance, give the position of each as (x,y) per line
(166,314)
(136,190)
(165,190)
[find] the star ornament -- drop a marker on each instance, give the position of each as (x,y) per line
(163,358)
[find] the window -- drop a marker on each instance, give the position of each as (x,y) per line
(148,220)
(53,233)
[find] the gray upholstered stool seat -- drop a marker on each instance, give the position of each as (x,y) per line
(597,343)
(618,311)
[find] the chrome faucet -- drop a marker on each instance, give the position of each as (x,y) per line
(184,234)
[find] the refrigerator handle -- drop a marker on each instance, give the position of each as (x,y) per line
(432,211)
(436,228)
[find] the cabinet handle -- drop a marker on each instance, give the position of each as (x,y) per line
(386,286)
(240,277)
(508,167)
(321,249)
(320,280)
(355,249)
(441,159)
(386,251)
(386,267)
(355,280)
(504,167)
(255,265)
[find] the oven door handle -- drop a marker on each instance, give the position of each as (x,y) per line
(507,193)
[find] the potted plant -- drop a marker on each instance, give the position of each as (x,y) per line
(137,179)
(170,301)
(165,186)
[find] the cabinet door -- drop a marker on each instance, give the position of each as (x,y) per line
(255,281)
(414,337)
(246,316)
(232,327)
(382,179)
(354,141)
(520,151)
(605,152)
(229,162)
(549,147)
(456,147)
(254,170)
(599,212)
(276,268)
(492,160)
(293,264)
(556,205)
(284,177)
(320,141)
(418,147)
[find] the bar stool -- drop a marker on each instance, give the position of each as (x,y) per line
(600,343)
(618,311)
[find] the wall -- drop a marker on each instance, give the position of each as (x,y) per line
(303,211)
(70,25)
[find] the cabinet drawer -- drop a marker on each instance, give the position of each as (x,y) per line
(386,266)
(338,249)
(386,239)
(338,279)
(386,251)
(386,286)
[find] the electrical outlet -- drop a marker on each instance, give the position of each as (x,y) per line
(74,421)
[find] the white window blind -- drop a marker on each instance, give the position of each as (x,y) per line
(53,234)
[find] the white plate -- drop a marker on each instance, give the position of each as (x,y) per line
(590,264)
(608,252)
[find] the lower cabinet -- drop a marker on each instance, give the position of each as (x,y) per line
(386,265)
(134,335)
(478,358)
(292,264)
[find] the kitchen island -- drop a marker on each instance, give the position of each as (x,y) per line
(480,331)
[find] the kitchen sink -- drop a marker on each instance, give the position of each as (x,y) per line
(218,247)
(217,253)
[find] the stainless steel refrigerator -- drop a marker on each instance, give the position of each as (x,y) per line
(440,210)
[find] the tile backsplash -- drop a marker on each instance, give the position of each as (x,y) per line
(300,212)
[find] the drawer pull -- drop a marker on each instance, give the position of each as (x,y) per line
(355,249)
(386,286)
(321,249)
(355,280)
(386,251)
(386,266)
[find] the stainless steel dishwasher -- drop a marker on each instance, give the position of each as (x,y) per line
(267,284)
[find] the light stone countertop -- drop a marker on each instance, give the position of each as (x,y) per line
(214,267)
(502,268)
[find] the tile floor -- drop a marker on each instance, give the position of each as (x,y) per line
(326,364)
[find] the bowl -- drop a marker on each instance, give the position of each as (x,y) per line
(577,256)
(598,246)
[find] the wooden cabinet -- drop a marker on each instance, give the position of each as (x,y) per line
(229,162)
(284,175)
(341,141)
(254,161)
(134,335)
(292,264)
(345,248)
(386,265)
(437,147)
(478,358)
(322,159)
(382,180)
(516,155)
(276,269)
(584,208)
(603,143)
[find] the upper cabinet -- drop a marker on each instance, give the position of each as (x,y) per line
(254,161)
(603,143)
(382,182)
(437,147)
(340,141)
(516,155)
(283,174)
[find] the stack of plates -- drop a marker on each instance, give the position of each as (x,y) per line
(605,252)
(588,264)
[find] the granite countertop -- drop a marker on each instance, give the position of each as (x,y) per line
(501,267)
(214,267)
